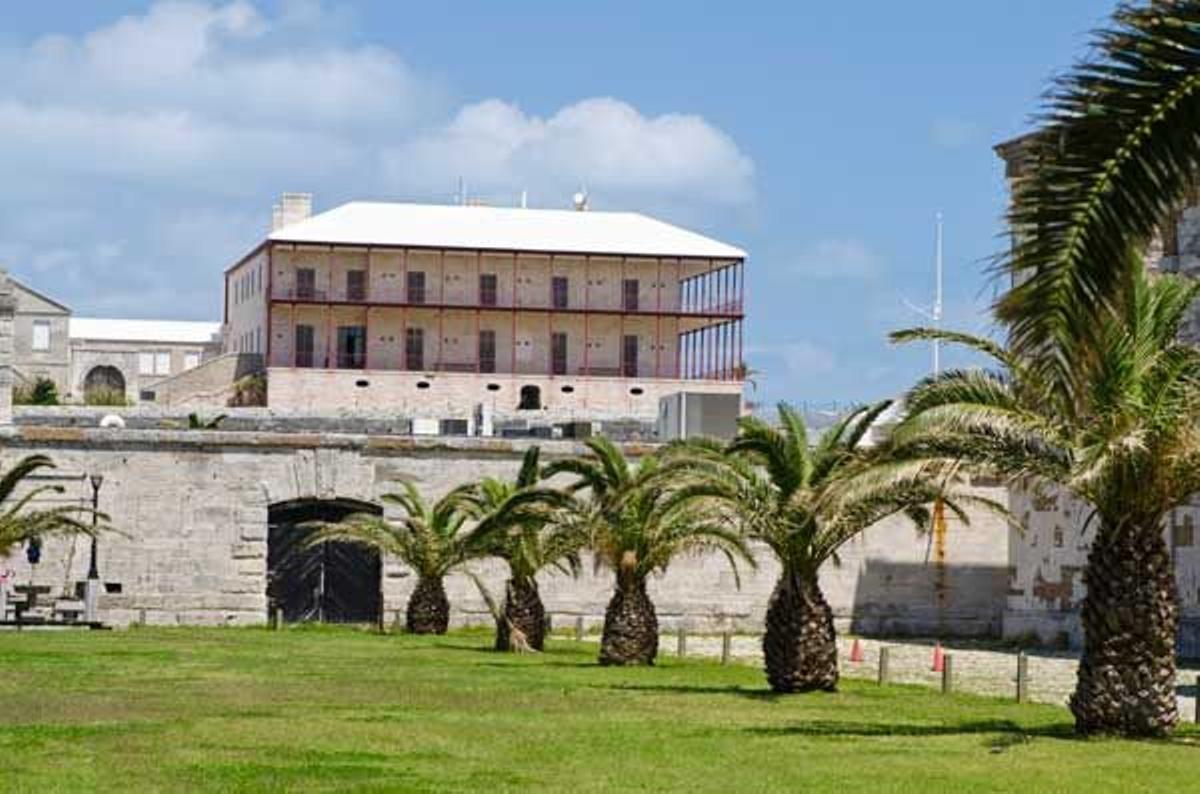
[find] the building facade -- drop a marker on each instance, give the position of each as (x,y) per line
(87,358)
(435,309)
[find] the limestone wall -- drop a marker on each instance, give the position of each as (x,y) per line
(193,506)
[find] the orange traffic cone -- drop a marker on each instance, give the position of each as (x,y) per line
(938,661)
(856,652)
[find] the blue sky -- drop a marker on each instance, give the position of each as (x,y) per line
(143,143)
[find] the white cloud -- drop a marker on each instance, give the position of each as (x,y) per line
(797,359)
(842,258)
(604,144)
(194,115)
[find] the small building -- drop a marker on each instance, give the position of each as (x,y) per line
(40,338)
(439,310)
(131,357)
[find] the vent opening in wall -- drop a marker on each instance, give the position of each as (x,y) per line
(637,391)
(422,384)
(568,389)
(362,384)
(493,387)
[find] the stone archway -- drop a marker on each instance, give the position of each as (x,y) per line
(103,381)
(328,583)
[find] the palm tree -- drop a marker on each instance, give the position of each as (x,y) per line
(516,522)
(19,523)
(1116,153)
(1128,446)
(804,502)
(430,539)
(636,528)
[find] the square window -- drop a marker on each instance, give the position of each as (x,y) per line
(162,363)
(146,363)
(41,335)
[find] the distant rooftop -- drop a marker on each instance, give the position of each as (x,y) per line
(502,229)
(168,331)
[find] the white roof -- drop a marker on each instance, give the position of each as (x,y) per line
(169,331)
(502,229)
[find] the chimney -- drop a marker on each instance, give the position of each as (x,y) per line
(292,208)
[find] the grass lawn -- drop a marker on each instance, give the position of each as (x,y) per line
(341,709)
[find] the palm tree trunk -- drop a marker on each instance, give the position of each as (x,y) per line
(800,646)
(1126,682)
(428,608)
(630,625)
(523,610)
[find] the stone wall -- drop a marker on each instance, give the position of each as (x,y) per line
(192,508)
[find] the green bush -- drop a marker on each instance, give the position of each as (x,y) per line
(42,392)
(113,397)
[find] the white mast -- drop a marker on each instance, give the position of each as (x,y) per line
(936,314)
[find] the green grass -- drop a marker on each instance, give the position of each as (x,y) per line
(341,710)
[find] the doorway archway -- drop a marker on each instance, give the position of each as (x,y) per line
(328,583)
(103,381)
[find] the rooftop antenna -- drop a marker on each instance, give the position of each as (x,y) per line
(934,312)
(462,192)
(524,199)
(580,200)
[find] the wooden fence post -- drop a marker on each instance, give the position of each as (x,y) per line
(1022,677)
(681,643)
(947,673)
(726,647)
(884,654)
(579,629)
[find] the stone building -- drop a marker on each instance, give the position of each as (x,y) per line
(434,310)
(84,356)
(1049,553)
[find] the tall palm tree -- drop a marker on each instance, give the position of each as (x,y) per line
(804,501)
(1116,153)
(20,523)
(516,522)
(637,527)
(1128,446)
(430,538)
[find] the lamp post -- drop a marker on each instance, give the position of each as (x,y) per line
(91,589)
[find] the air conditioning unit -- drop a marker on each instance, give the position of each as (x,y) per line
(426,427)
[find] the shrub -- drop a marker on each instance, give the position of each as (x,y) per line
(250,391)
(104,396)
(42,392)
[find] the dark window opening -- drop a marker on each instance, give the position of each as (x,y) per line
(306,283)
(558,354)
(531,399)
(356,285)
(568,389)
(351,347)
(487,289)
(637,391)
(362,384)
(414,348)
(304,345)
(630,295)
(493,387)
(416,286)
(146,396)
(487,351)
(558,292)
(422,384)
(629,357)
